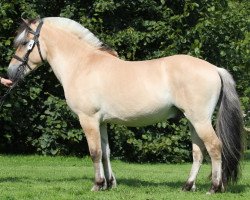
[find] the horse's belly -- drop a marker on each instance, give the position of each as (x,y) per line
(140,118)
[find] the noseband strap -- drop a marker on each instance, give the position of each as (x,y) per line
(25,59)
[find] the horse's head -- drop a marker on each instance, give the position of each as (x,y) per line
(30,49)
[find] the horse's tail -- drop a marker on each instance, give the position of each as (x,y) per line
(229,128)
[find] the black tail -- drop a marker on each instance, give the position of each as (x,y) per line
(229,128)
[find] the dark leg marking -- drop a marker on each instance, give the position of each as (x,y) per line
(188,186)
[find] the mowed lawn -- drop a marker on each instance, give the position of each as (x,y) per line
(40,177)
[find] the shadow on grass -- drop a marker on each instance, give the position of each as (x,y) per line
(13,179)
(41,180)
(132,182)
(240,188)
(247,156)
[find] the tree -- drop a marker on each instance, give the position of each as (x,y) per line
(35,117)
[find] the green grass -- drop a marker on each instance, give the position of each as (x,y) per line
(39,177)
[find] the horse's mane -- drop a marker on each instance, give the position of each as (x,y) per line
(68,25)
(75,28)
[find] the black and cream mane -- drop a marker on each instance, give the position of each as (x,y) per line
(67,24)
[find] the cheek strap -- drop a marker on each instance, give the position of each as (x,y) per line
(31,45)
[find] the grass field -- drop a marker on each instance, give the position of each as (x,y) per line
(39,177)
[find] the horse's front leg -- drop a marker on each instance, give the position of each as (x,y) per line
(111,181)
(92,131)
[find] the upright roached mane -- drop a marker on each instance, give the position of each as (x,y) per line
(102,89)
(69,25)
(75,28)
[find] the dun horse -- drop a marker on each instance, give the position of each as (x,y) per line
(101,88)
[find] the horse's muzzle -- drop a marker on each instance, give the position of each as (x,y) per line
(16,72)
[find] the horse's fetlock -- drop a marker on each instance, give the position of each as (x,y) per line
(111,183)
(188,186)
(216,187)
(101,182)
(99,185)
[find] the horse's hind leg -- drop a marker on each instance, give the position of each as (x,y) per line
(213,145)
(198,149)
(92,132)
(111,181)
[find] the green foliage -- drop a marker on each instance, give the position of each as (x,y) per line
(165,142)
(60,134)
(35,117)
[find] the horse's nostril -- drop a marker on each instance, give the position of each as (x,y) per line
(12,72)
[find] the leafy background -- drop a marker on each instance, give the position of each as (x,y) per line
(35,117)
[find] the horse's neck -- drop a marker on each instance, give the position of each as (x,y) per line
(64,53)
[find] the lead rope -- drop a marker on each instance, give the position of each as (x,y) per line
(18,79)
(2,98)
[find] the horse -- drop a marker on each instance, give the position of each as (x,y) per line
(101,88)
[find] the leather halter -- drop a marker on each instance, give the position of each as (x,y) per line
(25,59)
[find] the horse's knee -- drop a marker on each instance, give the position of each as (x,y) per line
(96,154)
(214,148)
(92,133)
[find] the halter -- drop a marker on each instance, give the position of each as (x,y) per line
(31,45)
(25,59)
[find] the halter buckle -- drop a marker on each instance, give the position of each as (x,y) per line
(30,44)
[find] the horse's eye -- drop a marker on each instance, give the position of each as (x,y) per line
(24,43)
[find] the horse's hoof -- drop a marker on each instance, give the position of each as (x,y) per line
(112,183)
(209,193)
(99,186)
(189,186)
(215,188)
(193,189)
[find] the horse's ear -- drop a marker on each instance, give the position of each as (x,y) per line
(34,20)
(38,18)
(25,20)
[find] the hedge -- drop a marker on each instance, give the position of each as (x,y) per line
(35,117)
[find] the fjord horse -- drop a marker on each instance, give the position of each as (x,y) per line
(101,88)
